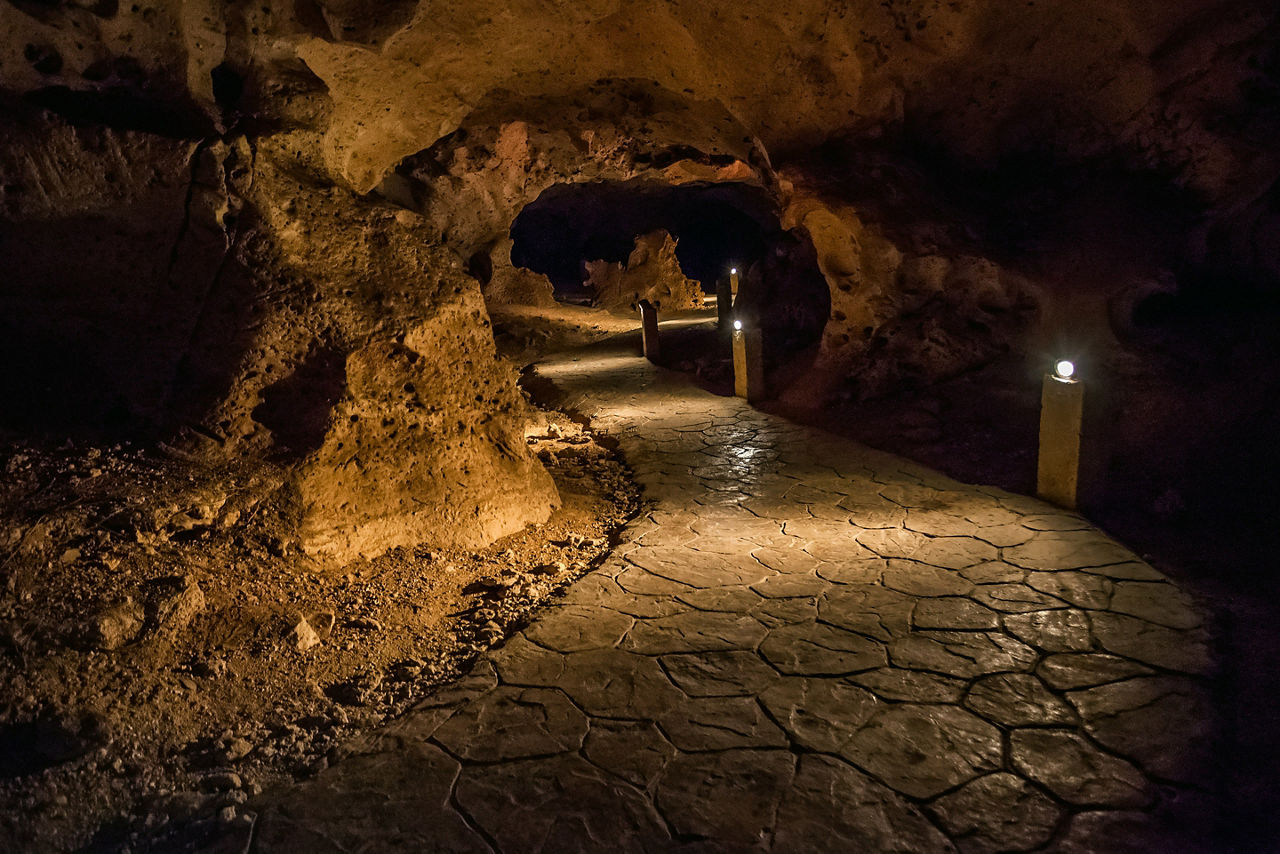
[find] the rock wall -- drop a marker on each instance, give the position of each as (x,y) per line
(225,298)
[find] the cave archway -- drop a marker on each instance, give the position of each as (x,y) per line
(716,226)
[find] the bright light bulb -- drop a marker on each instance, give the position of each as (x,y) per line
(1065,369)
(733,271)
(737,324)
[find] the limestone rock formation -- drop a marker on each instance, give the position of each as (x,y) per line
(652,273)
(511,285)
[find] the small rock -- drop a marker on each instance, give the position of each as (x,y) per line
(221,781)
(116,626)
(322,623)
(227,815)
(303,636)
(368,623)
(175,612)
(236,749)
(69,557)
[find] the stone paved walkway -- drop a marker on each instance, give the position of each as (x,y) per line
(804,645)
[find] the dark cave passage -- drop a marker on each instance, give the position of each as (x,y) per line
(716,226)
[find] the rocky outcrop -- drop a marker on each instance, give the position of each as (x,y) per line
(652,273)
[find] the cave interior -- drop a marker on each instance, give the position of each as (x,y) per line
(282,282)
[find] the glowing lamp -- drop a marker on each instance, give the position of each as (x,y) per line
(733,271)
(1064,369)
(737,324)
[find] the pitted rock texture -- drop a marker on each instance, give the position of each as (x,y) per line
(777,659)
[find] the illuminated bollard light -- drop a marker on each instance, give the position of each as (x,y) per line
(748,364)
(726,289)
(649,329)
(1061,423)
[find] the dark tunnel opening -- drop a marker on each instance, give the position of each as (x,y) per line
(716,227)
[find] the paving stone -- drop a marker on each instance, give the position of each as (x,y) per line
(870,514)
(1078,588)
(833,807)
(813,649)
(666,537)
(1067,550)
(513,723)
(842,550)
(987,516)
(1014,598)
(870,610)
(857,571)
(436,708)
(731,797)
(1005,536)
(956,552)
(1065,672)
(720,544)
(1121,715)
(787,561)
(571,628)
(729,599)
(1131,571)
(994,572)
(1155,602)
(1017,699)
(953,613)
(1055,522)
(735,673)
(634,750)
(1076,771)
(644,583)
(701,569)
(720,723)
(825,532)
(1151,644)
(819,714)
(893,543)
(784,612)
(963,654)
(617,684)
(404,805)
(997,813)
(1062,630)
(558,804)
(938,523)
(694,632)
(922,751)
(791,586)
(918,579)
(914,686)
(521,662)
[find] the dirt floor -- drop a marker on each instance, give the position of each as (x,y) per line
(166,651)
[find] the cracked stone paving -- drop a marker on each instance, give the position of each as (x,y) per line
(802,645)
